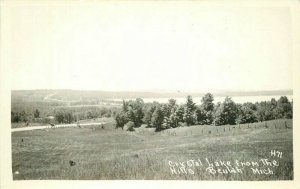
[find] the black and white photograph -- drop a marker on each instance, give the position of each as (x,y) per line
(150,90)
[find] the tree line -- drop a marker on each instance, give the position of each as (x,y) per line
(61,115)
(161,116)
(170,115)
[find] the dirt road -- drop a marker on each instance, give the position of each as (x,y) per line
(56,126)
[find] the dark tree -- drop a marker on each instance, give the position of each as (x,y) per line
(284,108)
(59,116)
(68,117)
(189,116)
(148,114)
(206,110)
(135,111)
(36,113)
(15,117)
(201,116)
(131,111)
(121,119)
(168,107)
(265,111)
(157,119)
(125,106)
(246,113)
(174,118)
(179,113)
(226,113)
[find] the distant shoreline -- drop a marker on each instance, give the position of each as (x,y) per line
(139,94)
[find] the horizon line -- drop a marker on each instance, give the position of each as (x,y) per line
(155,90)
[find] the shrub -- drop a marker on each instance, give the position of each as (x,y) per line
(36,113)
(129,126)
(121,120)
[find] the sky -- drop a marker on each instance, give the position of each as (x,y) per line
(122,46)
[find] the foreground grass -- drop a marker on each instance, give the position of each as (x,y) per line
(115,154)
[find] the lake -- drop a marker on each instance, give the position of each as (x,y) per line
(237,99)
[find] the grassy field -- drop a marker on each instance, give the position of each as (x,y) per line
(144,154)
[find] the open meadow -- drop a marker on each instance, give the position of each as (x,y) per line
(93,153)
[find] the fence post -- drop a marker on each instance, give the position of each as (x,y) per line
(275,125)
(285,125)
(266,125)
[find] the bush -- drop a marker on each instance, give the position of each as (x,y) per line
(182,124)
(46,120)
(20,117)
(121,120)
(129,126)
(15,117)
(59,117)
(64,117)
(36,113)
